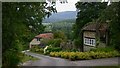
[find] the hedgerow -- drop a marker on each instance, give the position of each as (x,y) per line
(84,55)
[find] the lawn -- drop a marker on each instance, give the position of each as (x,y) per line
(25,58)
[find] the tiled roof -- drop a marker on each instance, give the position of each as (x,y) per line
(45,35)
(93,26)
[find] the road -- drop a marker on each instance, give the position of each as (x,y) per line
(53,61)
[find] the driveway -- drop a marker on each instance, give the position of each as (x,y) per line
(53,61)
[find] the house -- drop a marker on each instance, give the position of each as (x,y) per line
(91,35)
(36,40)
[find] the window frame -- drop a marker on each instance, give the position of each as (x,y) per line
(89,41)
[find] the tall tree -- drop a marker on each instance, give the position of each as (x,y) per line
(20,22)
(112,15)
(87,12)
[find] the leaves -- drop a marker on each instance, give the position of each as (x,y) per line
(88,12)
(16,19)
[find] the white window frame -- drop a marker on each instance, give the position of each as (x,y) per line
(89,41)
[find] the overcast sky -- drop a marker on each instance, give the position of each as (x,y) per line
(70,6)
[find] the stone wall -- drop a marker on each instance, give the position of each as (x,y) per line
(87,47)
(89,34)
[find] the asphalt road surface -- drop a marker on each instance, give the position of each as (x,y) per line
(53,61)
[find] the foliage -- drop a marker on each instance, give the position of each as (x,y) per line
(52,42)
(21,21)
(60,35)
(71,50)
(37,49)
(64,26)
(45,42)
(107,49)
(55,42)
(10,58)
(77,43)
(86,13)
(53,49)
(25,58)
(104,14)
(111,14)
(84,55)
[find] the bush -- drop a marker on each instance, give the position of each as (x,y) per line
(54,49)
(71,50)
(64,55)
(84,55)
(55,42)
(37,49)
(72,56)
(107,49)
(10,58)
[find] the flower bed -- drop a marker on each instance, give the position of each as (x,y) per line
(84,55)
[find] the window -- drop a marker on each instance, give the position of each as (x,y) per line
(38,39)
(89,41)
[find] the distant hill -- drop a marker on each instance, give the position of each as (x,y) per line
(61,16)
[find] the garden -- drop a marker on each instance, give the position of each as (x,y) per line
(76,55)
(62,48)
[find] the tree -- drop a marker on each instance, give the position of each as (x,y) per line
(20,22)
(60,35)
(87,12)
(112,16)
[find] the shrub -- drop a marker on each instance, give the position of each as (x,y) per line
(71,50)
(72,56)
(84,55)
(54,42)
(11,58)
(32,49)
(107,49)
(52,54)
(37,49)
(64,55)
(41,50)
(54,49)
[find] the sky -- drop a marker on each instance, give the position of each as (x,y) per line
(70,6)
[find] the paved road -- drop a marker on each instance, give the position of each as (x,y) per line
(52,61)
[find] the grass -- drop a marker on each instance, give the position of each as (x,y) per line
(25,58)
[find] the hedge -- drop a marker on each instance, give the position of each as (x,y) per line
(84,55)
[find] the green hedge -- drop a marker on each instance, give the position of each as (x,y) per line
(37,50)
(53,49)
(84,55)
(107,49)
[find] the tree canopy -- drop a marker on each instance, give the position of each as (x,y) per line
(112,16)
(100,12)
(21,21)
(87,12)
